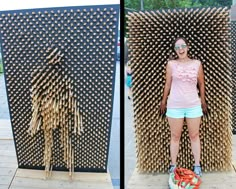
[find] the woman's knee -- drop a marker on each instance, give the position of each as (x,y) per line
(175,137)
(194,136)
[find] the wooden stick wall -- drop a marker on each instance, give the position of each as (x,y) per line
(55,107)
(233,45)
(151,34)
(76,76)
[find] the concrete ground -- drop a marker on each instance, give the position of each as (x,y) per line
(130,154)
(114,150)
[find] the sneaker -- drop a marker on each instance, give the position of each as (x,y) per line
(172,168)
(197,170)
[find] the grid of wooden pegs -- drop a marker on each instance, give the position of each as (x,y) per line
(151,34)
(84,42)
(233,45)
(54,106)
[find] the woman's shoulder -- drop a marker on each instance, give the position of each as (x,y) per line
(171,62)
(195,61)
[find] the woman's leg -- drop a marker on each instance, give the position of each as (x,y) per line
(130,93)
(176,125)
(193,129)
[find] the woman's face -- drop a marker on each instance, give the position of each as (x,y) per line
(181,49)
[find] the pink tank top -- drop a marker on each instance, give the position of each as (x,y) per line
(184,92)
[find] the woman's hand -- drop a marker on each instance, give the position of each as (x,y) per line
(204,107)
(163,107)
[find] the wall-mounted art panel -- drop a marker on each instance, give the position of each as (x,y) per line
(59,69)
(233,45)
(151,34)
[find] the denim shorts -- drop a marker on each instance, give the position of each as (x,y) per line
(193,112)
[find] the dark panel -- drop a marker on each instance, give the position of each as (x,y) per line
(87,36)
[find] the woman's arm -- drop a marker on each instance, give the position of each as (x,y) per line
(166,89)
(201,84)
(128,70)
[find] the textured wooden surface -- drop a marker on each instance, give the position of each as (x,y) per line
(213,180)
(89,48)
(30,179)
(5,129)
(151,34)
(233,46)
(8,162)
(13,178)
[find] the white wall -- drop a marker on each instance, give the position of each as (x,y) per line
(31,4)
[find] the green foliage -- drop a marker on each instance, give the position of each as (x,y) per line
(164,4)
(160,4)
(196,4)
(133,4)
(186,3)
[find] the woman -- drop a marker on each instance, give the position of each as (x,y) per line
(129,79)
(182,101)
